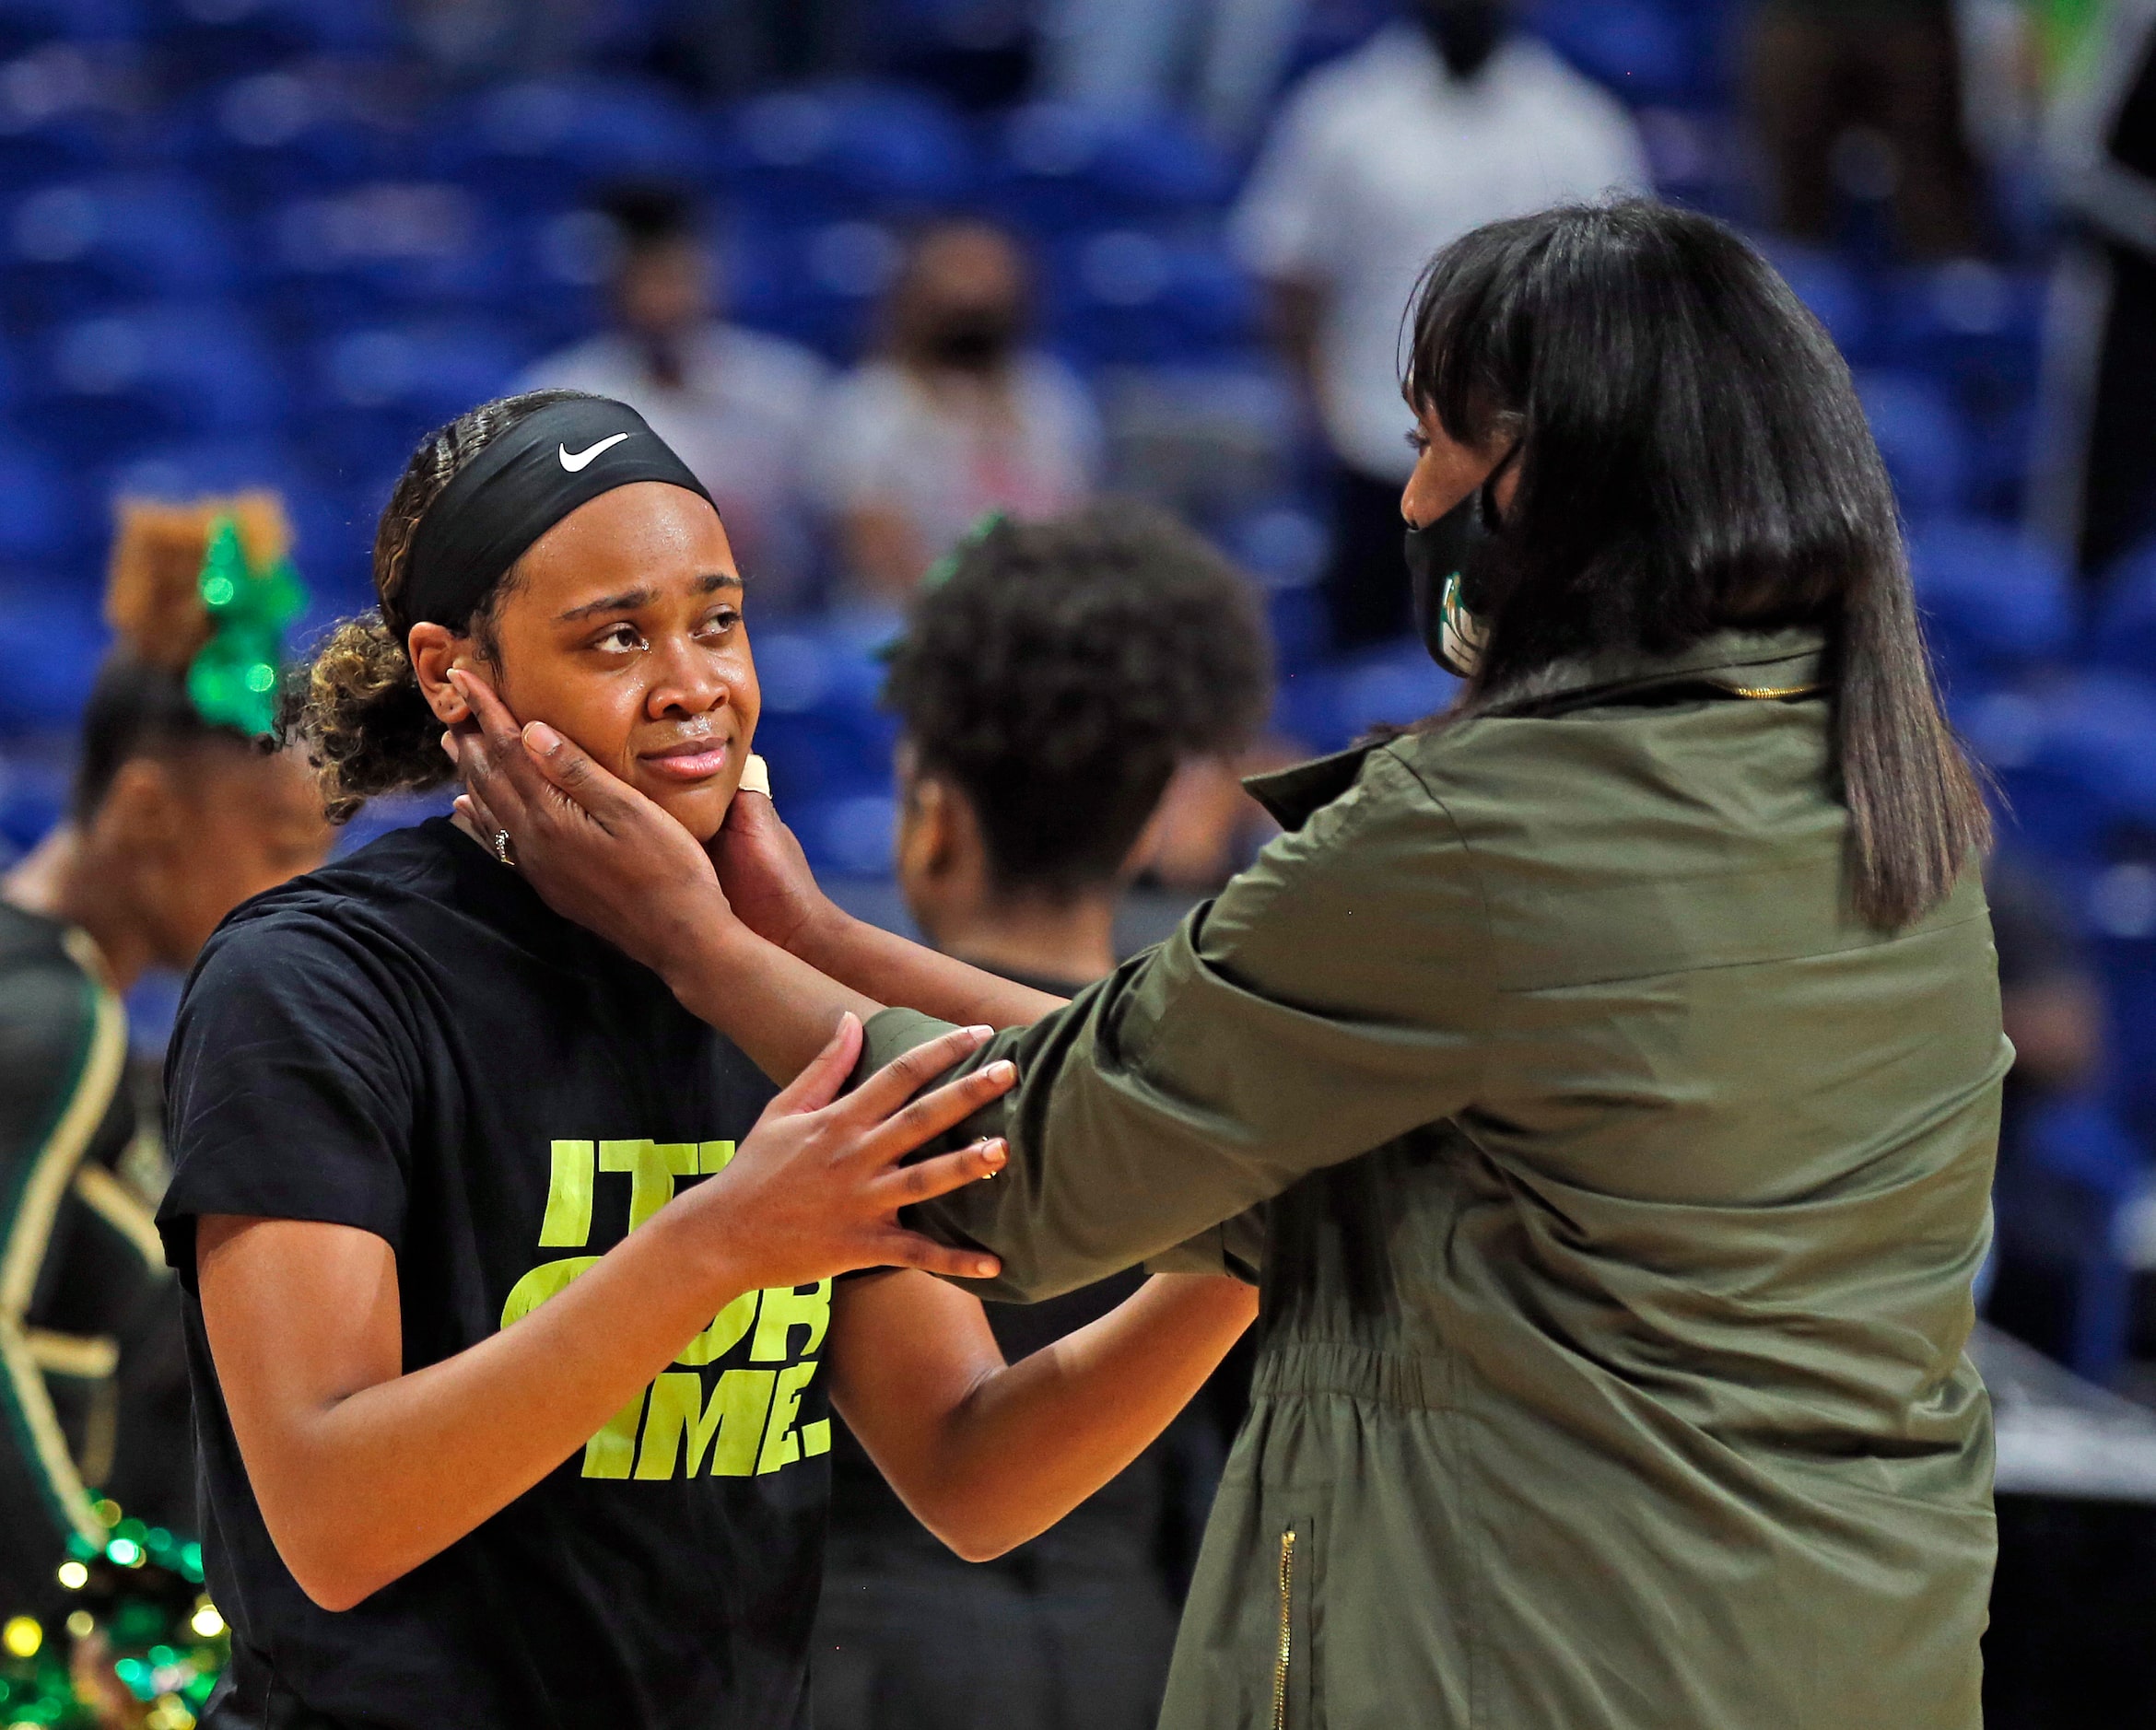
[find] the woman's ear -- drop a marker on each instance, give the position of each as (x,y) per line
(434,650)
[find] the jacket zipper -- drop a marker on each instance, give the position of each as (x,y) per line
(1280,1667)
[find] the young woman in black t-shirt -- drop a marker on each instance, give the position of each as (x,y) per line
(508,1280)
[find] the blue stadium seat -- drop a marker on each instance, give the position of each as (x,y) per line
(370,393)
(852,837)
(1994,603)
(1922,438)
(2121,904)
(1696,158)
(1966,318)
(1977,329)
(1830,289)
(1286,547)
(824,733)
(1643,52)
(1125,297)
(818,285)
(210,38)
(1329,708)
(2079,1141)
(51,127)
(42,521)
(280,134)
(1061,169)
(545,143)
(2073,761)
(798,157)
(556,264)
(382,251)
(116,238)
(118,382)
(2122,635)
(50,645)
(26,24)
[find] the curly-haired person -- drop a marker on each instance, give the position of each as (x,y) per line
(515,1297)
(1047,691)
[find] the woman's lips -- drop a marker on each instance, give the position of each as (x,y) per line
(693,760)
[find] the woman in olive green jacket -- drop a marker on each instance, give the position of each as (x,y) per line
(1601,1080)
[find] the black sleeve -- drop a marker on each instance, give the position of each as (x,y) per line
(289,1086)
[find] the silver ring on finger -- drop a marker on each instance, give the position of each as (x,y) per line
(501,847)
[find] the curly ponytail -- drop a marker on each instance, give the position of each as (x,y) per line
(357,704)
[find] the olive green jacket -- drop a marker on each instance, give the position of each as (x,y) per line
(1620,1382)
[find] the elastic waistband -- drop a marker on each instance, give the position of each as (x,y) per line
(1333,1367)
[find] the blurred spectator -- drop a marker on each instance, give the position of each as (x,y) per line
(176,818)
(737,404)
(1432,128)
(1045,693)
(1221,59)
(2051,1007)
(1865,93)
(2096,488)
(955,418)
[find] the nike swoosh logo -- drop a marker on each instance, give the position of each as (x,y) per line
(582,459)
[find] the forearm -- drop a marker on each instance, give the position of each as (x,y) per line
(368,1485)
(1031,1441)
(778,1007)
(892,969)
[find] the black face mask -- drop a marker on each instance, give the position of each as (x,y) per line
(1449,565)
(1467,32)
(972,339)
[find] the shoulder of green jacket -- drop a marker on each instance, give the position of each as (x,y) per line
(1755,665)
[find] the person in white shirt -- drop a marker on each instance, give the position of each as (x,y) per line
(954,418)
(1437,125)
(737,404)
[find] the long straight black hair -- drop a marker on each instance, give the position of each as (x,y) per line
(1694,457)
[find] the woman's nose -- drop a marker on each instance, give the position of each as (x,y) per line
(687,683)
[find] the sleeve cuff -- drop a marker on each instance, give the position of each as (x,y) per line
(893,1033)
(1235,1247)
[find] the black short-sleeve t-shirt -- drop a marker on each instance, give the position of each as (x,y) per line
(411,1043)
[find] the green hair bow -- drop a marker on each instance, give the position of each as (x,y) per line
(233,682)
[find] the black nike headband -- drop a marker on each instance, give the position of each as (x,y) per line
(520,486)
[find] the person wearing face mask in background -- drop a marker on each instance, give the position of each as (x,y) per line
(954,418)
(738,404)
(1442,121)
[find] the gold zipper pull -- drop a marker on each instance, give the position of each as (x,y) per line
(1280,1668)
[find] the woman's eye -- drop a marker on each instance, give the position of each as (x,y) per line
(620,639)
(719,622)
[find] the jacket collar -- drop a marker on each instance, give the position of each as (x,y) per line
(1756,665)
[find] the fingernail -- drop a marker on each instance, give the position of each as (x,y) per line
(540,737)
(1003,1070)
(984,1269)
(982,1033)
(994,1153)
(456,677)
(448,745)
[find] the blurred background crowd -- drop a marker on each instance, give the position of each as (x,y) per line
(878,267)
